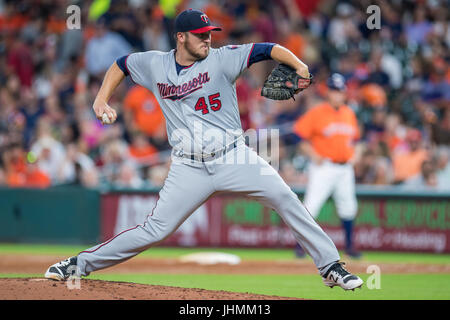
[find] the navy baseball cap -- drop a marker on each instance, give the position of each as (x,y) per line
(336,82)
(193,21)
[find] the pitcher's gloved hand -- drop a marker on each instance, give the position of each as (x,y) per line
(283,82)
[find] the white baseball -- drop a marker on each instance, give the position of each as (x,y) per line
(105,119)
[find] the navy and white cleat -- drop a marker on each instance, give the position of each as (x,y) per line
(62,270)
(337,275)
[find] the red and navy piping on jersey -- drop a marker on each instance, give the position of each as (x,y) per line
(173,92)
(122,64)
(105,243)
(179,67)
(259,52)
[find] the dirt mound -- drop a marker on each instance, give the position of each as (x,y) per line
(43,289)
(38,288)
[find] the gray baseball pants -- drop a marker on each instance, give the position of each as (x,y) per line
(189,184)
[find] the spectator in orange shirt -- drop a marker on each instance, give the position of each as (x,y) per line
(35,178)
(11,19)
(13,159)
(291,38)
(22,174)
(142,113)
(140,149)
(408,164)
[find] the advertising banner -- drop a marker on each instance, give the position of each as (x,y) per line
(229,221)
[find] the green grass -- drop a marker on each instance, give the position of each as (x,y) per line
(408,286)
(393,286)
(247,254)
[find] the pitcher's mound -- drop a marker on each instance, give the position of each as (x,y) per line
(43,289)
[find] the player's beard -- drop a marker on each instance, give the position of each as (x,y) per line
(199,56)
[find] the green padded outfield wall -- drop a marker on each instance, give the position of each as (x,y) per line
(62,215)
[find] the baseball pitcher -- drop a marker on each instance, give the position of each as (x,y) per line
(195,87)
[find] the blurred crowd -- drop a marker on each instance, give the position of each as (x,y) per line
(398,79)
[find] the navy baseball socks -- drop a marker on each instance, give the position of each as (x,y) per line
(299,252)
(350,251)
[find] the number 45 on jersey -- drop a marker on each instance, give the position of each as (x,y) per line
(214,103)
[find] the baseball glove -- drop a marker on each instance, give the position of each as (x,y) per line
(283,82)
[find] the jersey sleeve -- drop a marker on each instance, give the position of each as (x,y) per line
(235,59)
(304,126)
(138,65)
(121,63)
(261,51)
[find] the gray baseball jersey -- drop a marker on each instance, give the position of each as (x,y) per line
(203,97)
(200,103)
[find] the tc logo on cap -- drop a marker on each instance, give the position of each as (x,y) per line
(204,18)
(193,21)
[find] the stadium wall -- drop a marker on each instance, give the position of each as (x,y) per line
(62,215)
(390,219)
